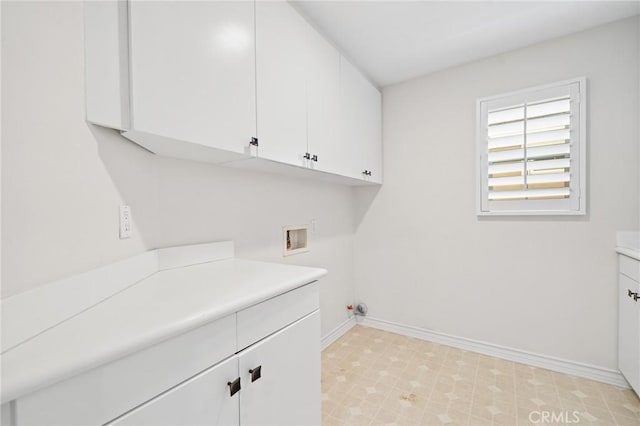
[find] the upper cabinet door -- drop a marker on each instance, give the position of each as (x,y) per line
(323,107)
(281,56)
(361,122)
(193,71)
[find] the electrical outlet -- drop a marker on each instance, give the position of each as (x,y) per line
(125,222)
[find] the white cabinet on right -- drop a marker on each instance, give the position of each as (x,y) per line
(629,320)
(361,123)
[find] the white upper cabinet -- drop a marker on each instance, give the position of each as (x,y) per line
(225,81)
(281,59)
(106,64)
(361,122)
(323,106)
(193,74)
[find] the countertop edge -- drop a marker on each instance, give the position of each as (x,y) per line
(629,252)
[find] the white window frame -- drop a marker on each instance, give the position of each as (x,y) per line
(578,157)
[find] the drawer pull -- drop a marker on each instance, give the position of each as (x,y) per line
(256,373)
(234,387)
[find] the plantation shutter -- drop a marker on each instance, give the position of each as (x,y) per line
(529,144)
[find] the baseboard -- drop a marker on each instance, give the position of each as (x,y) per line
(337,332)
(587,371)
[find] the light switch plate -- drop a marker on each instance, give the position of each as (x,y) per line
(125,222)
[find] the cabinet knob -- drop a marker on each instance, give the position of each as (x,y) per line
(253,141)
(314,158)
(633,295)
(256,373)
(234,387)
(367,173)
(306,156)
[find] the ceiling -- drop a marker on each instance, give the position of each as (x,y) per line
(392,41)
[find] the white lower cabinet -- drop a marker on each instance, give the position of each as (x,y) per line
(629,320)
(288,389)
(279,384)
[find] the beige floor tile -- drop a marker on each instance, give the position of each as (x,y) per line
(476,421)
(376,377)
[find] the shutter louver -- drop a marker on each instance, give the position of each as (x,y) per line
(529,150)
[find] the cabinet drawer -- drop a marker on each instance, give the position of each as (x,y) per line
(106,392)
(263,319)
(202,400)
(629,267)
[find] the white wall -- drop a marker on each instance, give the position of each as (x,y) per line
(546,284)
(422,257)
(63,180)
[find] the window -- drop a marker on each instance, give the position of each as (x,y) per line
(532,151)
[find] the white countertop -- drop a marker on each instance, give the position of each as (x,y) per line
(628,244)
(162,305)
(629,252)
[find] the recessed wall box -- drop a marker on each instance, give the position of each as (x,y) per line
(295,239)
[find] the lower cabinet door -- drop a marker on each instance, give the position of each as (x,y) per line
(202,400)
(281,377)
(629,331)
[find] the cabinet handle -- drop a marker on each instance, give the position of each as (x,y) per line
(306,156)
(314,158)
(633,295)
(367,173)
(234,387)
(253,141)
(256,373)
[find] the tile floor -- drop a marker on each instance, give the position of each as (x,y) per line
(374,377)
